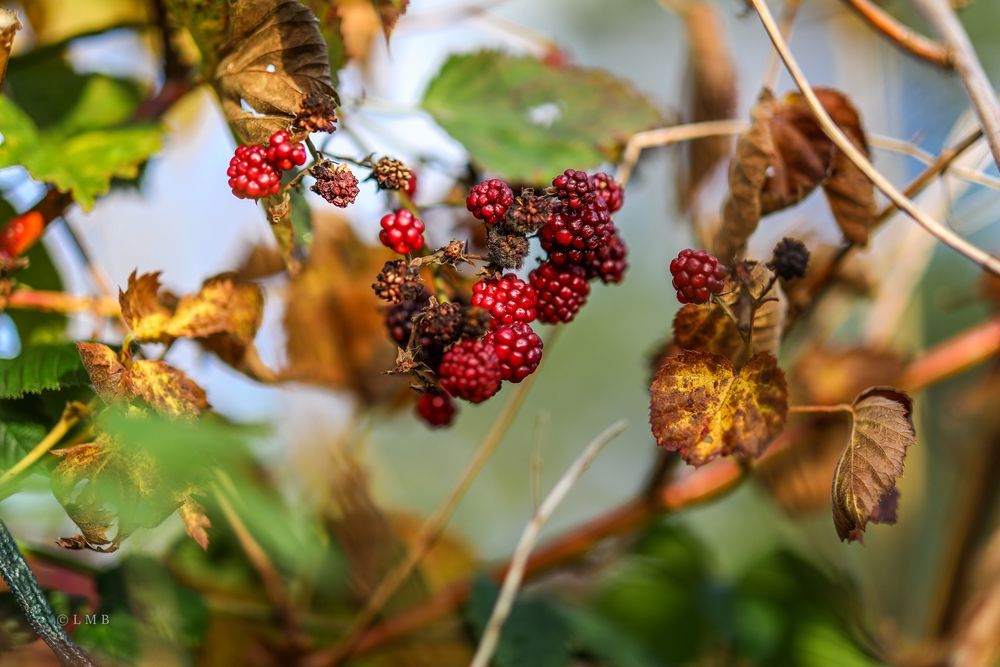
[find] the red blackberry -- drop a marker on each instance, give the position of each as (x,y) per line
(436,409)
(611,261)
(561,290)
(21,233)
(508,298)
(609,190)
(574,237)
(470,370)
(283,153)
(574,188)
(697,276)
(490,200)
(402,232)
(519,349)
(251,175)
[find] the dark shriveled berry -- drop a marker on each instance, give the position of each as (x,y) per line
(528,213)
(399,318)
(391,174)
(505,249)
(397,281)
(317,113)
(471,371)
(697,276)
(335,183)
(790,259)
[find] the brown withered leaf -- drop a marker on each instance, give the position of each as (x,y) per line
(389,12)
(826,375)
(741,210)
(798,477)
(334,322)
(701,408)
(196,522)
(713,94)
(881,432)
(707,328)
(144,308)
(166,389)
(783,157)
(103,483)
(224,315)
(273,56)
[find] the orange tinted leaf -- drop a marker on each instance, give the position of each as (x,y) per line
(168,390)
(195,521)
(701,408)
(142,309)
(223,305)
(881,432)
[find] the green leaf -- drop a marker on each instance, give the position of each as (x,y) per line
(41,368)
(535,635)
(82,163)
(57,97)
(526,121)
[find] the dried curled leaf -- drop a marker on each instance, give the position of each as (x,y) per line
(701,408)
(783,157)
(166,389)
(196,522)
(707,328)
(224,315)
(389,12)
(273,56)
(881,432)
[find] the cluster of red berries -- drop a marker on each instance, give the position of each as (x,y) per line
(697,276)
(255,171)
(470,348)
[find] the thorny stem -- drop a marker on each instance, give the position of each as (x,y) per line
(431,530)
(907,39)
(812,409)
(701,486)
(836,135)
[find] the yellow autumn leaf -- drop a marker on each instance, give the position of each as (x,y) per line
(196,522)
(702,409)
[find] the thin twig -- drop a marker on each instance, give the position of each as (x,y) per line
(773,69)
(664,136)
(830,129)
(903,147)
(813,409)
(71,416)
(907,39)
(432,527)
(60,302)
(515,574)
(941,16)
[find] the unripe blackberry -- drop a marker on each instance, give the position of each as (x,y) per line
(697,276)
(504,249)
(610,262)
(335,183)
(609,190)
(575,236)
(508,298)
(790,259)
(402,232)
(317,113)
(519,349)
(573,188)
(470,370)
(251,175)
(391,174)
(489,201)
(561,290)
(283,153)
(397,281)
(528,213)
(436,409)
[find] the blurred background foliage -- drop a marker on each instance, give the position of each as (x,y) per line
(737,582)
